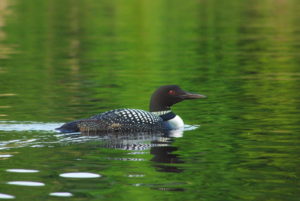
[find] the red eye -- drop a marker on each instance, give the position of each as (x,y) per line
(172,92)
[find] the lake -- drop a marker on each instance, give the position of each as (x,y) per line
(71,59)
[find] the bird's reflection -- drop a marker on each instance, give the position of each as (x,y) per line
(165,158)
(159,144)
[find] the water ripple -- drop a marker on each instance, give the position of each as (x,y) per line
(6,196)
(80,175)
(27,126)
(5,155)
(61,194)
(22,170)
(26,183)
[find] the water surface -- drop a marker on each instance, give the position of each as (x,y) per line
(65,60)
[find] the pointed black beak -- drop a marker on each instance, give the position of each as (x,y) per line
(188,95)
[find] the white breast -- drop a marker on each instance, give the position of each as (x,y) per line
(176,123)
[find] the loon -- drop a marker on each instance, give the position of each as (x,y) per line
(160,117)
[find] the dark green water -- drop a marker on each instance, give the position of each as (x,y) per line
(69,59)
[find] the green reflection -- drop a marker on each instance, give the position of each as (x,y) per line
(69,59)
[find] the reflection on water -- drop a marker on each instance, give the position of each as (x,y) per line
(79,175)
(61,194)
(22,170)
(138,144)
(137,141)
(5,49)
(26,183)
(64,60)
(165,158)
(6,196)
(5,155)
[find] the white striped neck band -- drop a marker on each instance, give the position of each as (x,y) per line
(159,113)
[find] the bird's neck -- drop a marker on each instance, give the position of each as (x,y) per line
(165,114)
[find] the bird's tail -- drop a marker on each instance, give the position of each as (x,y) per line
(70,127)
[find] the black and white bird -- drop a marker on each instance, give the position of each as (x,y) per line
(160,117)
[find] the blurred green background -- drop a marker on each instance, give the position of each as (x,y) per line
(69,59)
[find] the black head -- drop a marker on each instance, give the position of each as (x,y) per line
(166,96)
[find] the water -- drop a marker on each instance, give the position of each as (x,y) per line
(65,60)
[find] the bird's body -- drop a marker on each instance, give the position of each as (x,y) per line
(160,117)
(117,120)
